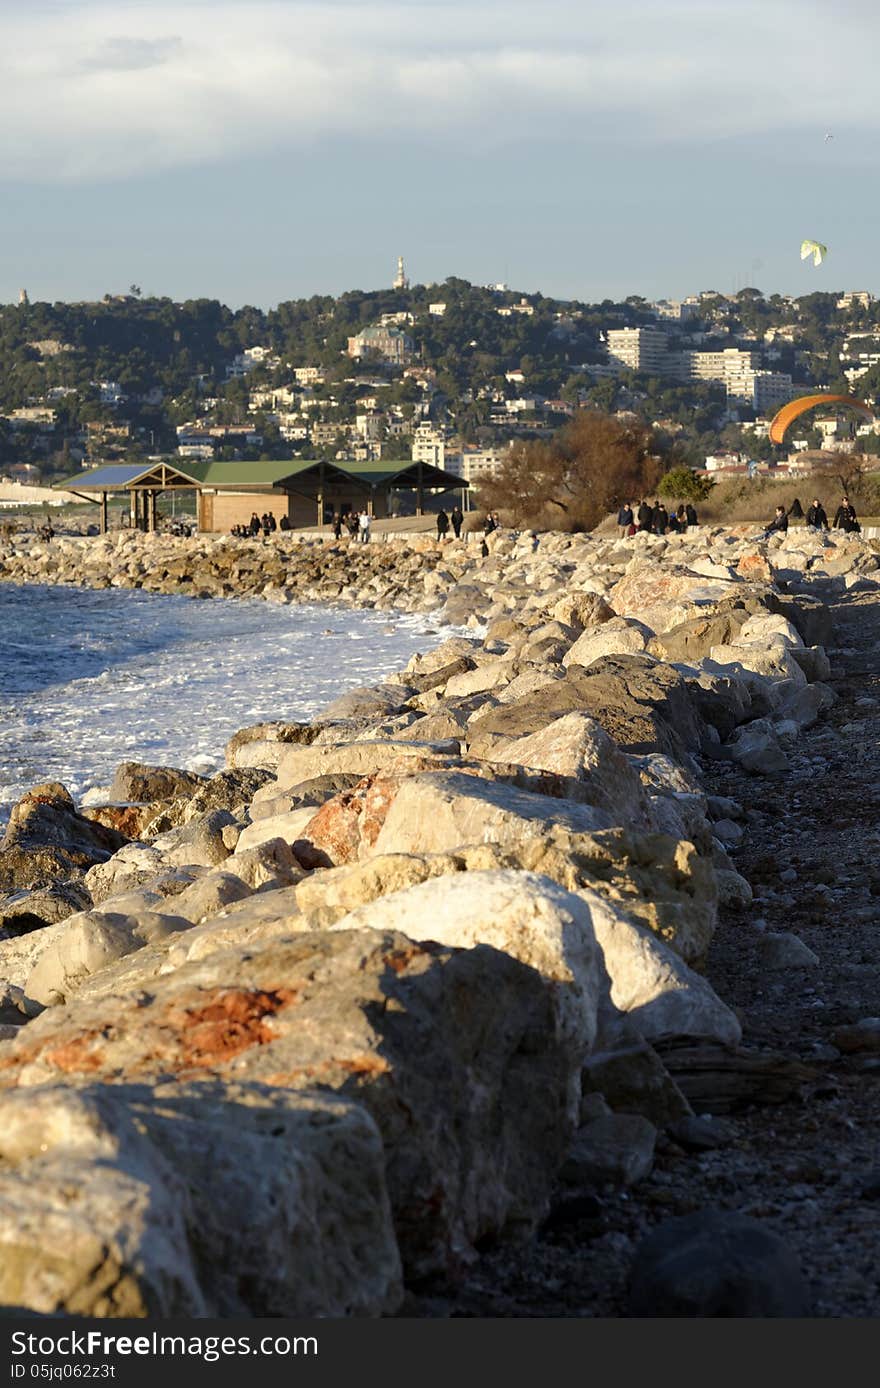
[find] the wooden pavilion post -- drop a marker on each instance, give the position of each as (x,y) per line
(321,474)
(420,494)
(132,509)
(103,513)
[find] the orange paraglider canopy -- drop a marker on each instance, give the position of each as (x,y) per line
(790,412)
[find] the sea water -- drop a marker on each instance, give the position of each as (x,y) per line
(92,678)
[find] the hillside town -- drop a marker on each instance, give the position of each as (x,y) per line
(447,375)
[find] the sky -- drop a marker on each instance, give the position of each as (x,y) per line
(262,150)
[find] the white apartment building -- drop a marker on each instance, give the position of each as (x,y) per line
(639,349)
(436,310)
(730,364)
(474,464)
(771,390)
(429,445)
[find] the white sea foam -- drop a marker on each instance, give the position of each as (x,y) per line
(89,679)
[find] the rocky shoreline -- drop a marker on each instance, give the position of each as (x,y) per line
(422,978)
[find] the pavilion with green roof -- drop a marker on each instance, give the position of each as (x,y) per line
(305,490)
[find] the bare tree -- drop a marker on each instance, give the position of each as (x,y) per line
(591,465)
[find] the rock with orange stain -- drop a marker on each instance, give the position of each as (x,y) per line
(455,1053)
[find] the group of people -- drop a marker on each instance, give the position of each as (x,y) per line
(653,517)
(266,524)
(815,517)
(357,523)
(456,520)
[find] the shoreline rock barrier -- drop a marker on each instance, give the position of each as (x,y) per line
(338,1018)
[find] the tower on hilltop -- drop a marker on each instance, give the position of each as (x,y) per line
(23,297)
(400,279)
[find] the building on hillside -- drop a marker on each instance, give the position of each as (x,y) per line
(723,366)
(436,310)
(370,426)
(771,390)
(678,310)
(474,464)
(249,360)
(639,349)
(386,344)
(309,375)
(523,307)
(30,416)
(855,298)
(429,445)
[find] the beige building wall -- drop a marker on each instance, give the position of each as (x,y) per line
(220,511)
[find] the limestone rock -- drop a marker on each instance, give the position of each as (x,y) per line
(617,636)
(369,701)
(89,942)
(288,827)
(47,840)
(298,764)
(577,747)
(31,910)
(220,1200)
(135,783)
(440,811)
(453,1052)
(527,916)
(325,897)
(663,997)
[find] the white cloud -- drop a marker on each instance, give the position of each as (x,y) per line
(94,90)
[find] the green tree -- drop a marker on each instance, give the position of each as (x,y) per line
(683,484)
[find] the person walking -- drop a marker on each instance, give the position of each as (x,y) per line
(254,523)
(490,523)
(624,519)
(442,526)
(691,514)
(365,522)
(644,515)
(845,516)
(659,518)
(816,517)
(457,520)
(337,525)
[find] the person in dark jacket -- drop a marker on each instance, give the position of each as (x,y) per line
(442,525)
(816,516)
(255,523)
(457,519)
(624,518)
(778,523)
(795,510)
(659,518)
(644,516)
(691,514)
(845,516)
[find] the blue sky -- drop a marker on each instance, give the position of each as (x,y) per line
(265,150)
